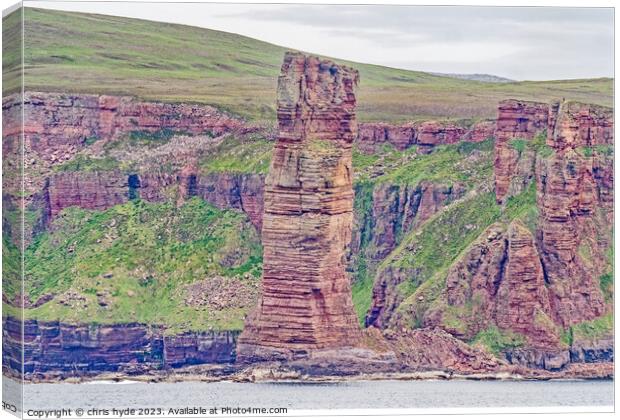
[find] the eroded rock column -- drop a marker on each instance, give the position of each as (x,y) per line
(574,229)
(306,301)
(517,121)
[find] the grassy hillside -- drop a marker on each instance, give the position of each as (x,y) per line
(141,262)
(76,52)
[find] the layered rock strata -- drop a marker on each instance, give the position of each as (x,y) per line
(522,303)
(541,280)
(498,282)
(575,209)
(57,124)
(426,135)
(73,350)
(516,121)
(87,190)
(395,210)
(54,350)
(529,281)
(104,189)
(233,191)
(306,299)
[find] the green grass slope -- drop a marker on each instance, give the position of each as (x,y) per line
(77,52)
(134,263)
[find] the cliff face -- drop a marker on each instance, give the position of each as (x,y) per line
(499,281)
(542,280)
(536,280)
(59,349)
(574,209)
(58,125)
(104,189)
(517,121)
(522,297)
(536,274)
(573,125)
(394,211)
(426,134)
(372,135)
(62,125)
(88,190)
(306,297)
(237,191)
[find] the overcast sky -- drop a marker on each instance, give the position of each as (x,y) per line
(522,43)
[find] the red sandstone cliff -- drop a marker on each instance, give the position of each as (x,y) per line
(426,135)
(57,126)
(88,190)
(499,281)
(539,280)
(539,283)
(516,121)
(574,209)
(306,297)
(104,189)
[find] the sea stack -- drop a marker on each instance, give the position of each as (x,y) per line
(306,301)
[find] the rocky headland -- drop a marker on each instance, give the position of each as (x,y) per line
(478,249)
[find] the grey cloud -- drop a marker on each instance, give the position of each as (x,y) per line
(443,22)
(548,39)
(516,42)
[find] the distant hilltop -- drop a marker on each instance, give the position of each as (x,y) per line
(479,77)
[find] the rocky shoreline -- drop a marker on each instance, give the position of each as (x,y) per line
(276,373)
(58,352)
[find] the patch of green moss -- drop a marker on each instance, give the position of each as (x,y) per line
(604,149)
(444,236)
(317,145)
(421,298)
(361,160)
(522,206)
(466,147)
(82,163)
(538,144)
(89,141)
(596,329)
(138,139)
(446,164)
(362,289)
(455,316)
(518,144)
(497,341)
(363,272)
(539,141)
(239,155)
(11,267)
(606,282)
(585,151)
